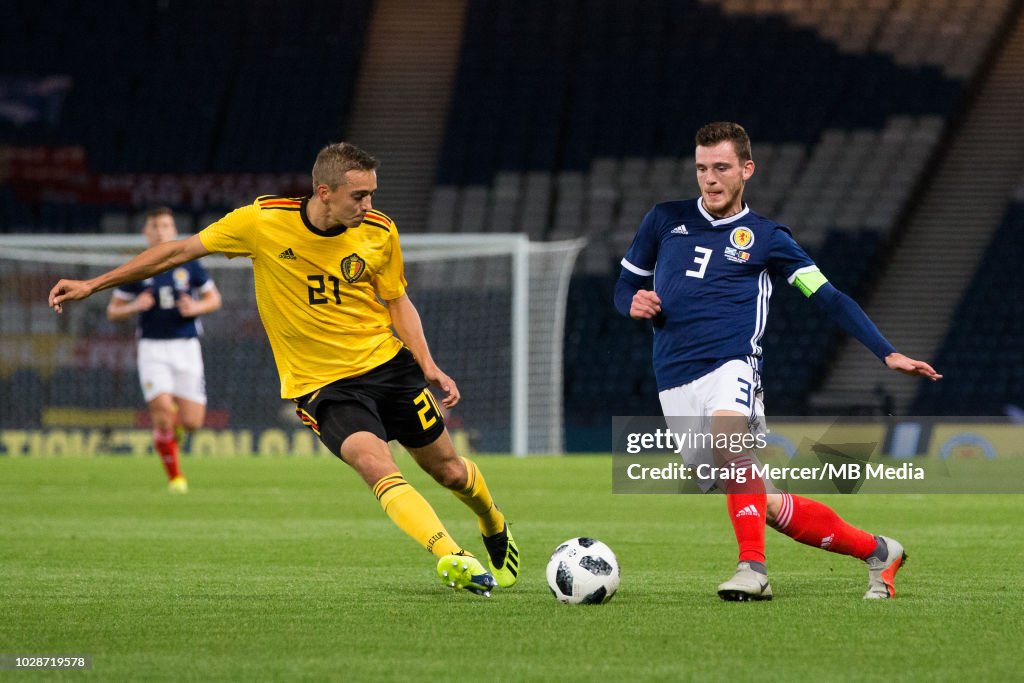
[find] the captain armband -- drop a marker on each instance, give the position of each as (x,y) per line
(808,280)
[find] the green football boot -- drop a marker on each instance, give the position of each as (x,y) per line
(465,571)
(503,557)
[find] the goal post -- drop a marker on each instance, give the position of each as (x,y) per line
(493,308)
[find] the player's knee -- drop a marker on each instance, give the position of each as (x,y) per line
(451,474)
(163,420)
(772,507)
(367,454)
(192,423)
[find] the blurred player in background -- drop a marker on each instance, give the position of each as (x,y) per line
(169,358)
(701,270)
(330,286)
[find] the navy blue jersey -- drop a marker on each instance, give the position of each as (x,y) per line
(714,278)
(163,321)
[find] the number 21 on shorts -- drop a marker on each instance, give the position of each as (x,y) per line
(428,411)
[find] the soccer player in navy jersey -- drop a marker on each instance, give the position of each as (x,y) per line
(169,358)
(701,270)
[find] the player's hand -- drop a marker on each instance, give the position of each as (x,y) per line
(909,366)
(645,305)
(445,384)
(68,290)
(144,301)
(187,306)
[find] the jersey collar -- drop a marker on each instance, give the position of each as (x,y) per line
(333,232)
(721,221)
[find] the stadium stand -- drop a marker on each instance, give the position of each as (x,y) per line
(566,119)
(406,75)
(982,356)
(967,189)
(172,89)
(863,86)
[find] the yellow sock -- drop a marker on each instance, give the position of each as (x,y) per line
(478,498)
(412,514)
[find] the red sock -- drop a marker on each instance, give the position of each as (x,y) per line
(167,447)
(747,514)
(814,523)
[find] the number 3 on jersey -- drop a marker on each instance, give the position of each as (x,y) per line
(701,260)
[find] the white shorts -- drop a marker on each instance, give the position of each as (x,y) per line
(733,387)
(172,366)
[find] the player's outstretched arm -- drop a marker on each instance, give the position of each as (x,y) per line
(154,260)
(852,318)
(409,327)
(909,366)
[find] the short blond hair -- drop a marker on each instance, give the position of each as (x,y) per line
(337,159)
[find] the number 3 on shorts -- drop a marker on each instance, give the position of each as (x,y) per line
(428,411)
(745,389)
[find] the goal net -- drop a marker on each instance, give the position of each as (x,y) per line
(492,305)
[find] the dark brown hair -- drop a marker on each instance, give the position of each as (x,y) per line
(159,211)
(720,131)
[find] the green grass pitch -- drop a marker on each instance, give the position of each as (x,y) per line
(287,569)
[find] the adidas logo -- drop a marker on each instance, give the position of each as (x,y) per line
(680,230)
(287,254)
(826,542)
(748,511)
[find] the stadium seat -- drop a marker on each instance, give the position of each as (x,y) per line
(982,356)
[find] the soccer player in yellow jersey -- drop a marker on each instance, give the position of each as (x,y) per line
(330,286)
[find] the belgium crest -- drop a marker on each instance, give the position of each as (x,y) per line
(352,267)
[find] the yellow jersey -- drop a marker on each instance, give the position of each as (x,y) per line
(318,293)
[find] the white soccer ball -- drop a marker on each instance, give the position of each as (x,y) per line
(583,571)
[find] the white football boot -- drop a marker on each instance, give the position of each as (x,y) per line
(882,573)
(745,585)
